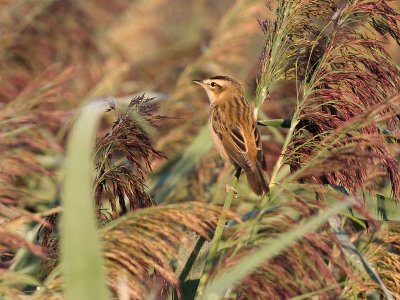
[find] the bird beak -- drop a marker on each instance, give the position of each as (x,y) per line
(198,82)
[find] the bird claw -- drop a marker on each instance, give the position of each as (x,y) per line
(229,188)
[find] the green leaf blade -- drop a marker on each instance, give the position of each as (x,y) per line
(217,288)
(82,261)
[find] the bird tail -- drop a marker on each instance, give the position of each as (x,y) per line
(256,180)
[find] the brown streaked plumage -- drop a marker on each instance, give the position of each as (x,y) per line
(233,129)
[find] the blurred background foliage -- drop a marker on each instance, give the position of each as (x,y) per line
(153,151)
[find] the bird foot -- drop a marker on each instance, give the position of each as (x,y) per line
(229,188)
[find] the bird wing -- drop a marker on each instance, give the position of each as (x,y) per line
(236,146)
(234,142)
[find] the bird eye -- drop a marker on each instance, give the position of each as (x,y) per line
(213,84)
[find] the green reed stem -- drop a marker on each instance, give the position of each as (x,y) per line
(218,234)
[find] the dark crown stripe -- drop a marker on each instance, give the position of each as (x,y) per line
(221,77)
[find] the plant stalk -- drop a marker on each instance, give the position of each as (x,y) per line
(279,162)
(218,234)
(266,197)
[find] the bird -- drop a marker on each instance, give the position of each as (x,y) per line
(233,129)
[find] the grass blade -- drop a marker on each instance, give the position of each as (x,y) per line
(216,289)
(170,178)
(276,123)
(356,258)
(80,247)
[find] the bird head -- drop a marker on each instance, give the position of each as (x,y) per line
(218,86)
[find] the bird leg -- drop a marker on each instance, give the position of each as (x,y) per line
(229,188)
